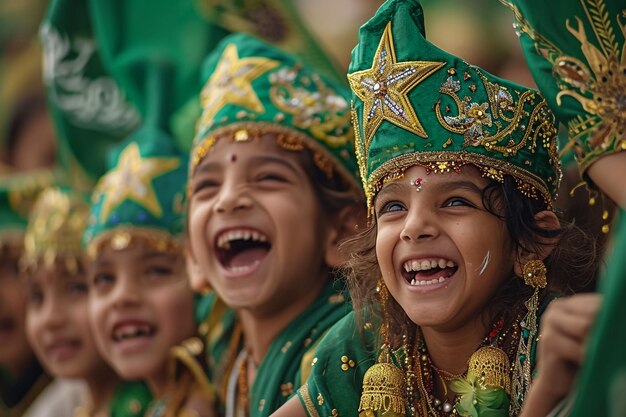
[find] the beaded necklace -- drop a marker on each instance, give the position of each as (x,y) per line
(421,372)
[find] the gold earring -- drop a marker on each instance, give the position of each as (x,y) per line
(383,383)
(535,273)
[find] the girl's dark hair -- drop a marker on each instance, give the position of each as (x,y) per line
(571,265)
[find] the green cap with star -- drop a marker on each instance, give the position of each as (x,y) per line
(253,88)
(414,103)
(576,51)
(142,195)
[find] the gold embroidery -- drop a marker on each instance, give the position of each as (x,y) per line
(599,85)
(384,87)
(322,112)
(286,389)
(305,394)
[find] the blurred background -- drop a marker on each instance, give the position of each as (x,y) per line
(480,31)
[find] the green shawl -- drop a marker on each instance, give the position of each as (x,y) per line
(286,364)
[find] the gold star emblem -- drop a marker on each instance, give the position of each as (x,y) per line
(231,83)
(384,88)
(132,180)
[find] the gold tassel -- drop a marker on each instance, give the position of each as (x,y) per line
(491,365)
(383,383)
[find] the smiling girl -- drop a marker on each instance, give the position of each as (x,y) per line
(464,250)
(57,321)
(140,302)
(272,192)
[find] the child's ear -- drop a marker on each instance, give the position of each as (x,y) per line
(343,225)
(198,282)
(547,220)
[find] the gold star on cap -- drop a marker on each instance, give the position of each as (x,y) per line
(231,83)
(384,88)
(132,180)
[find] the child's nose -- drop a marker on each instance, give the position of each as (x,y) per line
(127,293)
(232,199)
(419,225)
(54,314)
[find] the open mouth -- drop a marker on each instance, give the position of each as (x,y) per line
(428,271)
(241,250)
(132,330)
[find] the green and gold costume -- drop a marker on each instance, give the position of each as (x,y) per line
(253,89)
(414,104)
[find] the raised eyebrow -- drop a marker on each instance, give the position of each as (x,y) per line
(461,184)
(394,187)
(271,159)
(158,255)
(207,167)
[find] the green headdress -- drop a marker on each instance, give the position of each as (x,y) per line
(55,228)
(142,195)
(253,88)
(576,51)
(18,193)
(416,104)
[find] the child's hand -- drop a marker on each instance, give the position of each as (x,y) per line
(564,329)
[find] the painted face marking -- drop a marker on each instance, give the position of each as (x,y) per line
(485,262)
(233,158)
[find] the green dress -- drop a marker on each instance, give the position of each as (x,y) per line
(285,366)
(343,357)
(340,362)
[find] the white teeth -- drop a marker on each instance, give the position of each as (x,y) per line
(425,265)
(243,269)
(416,283)
(130,331)
(224,239)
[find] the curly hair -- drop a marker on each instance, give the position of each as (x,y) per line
(571,264)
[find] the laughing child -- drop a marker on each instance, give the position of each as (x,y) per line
(272,191)
(56,313)
(464,250)
(141,304)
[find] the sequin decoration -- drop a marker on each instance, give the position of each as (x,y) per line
(384,87)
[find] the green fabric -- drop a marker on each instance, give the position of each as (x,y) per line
(138,34)
(18,193)
(331,387)
(143,192)
(602,378)
(253,88)
(576,52)
(280,372)
(131,399)
(89,110)
(415,103)
(277,22)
